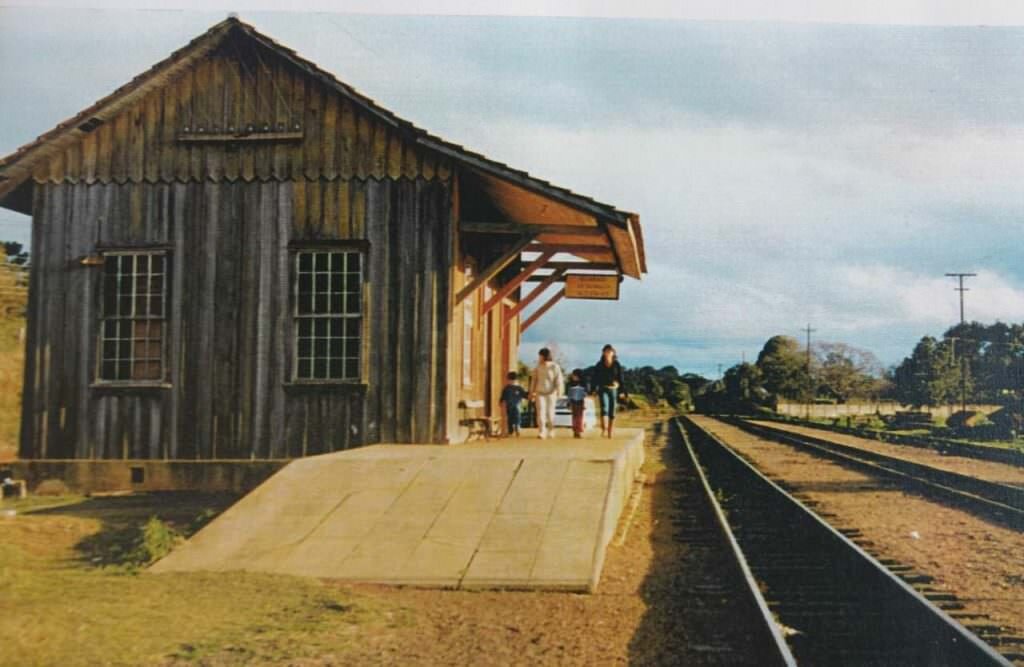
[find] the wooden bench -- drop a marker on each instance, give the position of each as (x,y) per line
(480,425)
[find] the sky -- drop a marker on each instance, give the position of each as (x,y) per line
(785,173)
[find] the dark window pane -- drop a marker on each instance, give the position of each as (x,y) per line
(336,347)
(352,369)
(304,347)
(304,369)
(352,326)
(108,370)
(305,328)
(156,306)
(110,329)
(321,261)
(124,349)
(335,303)
(124,306)
(321,282)
(320,347)
(352,304)
(158,263)
(337,262)
(305,261)
(320,327)
(354,262)
(124,368)
(126,264)
(352,347)
(336,326)
(142,264)
(156,284)
(110,296)
(320,369)
(336,369)
(110,265)
(305,283)
(320,303)
(109,349)
(337,282)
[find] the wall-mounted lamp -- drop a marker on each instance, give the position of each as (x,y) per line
(91,260)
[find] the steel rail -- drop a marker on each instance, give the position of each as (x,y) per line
(993,500)
(780,652)
(847,607)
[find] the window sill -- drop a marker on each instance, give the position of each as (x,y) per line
(338,386)
(130,386)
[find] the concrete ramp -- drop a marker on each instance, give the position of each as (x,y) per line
(523,513)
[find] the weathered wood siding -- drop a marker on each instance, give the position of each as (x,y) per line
(226,215)
(240,85)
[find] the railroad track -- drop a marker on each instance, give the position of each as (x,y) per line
(838,605)
(996,501)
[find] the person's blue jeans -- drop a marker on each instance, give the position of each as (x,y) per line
(609,397)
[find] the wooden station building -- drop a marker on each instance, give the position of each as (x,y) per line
(237,256)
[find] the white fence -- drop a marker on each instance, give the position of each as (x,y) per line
(833,411)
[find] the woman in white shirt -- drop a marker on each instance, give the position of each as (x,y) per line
(547,385)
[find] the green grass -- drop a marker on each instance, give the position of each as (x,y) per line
(72,593)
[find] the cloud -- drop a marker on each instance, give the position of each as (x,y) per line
(784,174)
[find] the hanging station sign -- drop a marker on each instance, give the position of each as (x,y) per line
(584,286)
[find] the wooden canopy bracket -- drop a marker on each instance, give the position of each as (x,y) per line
(516,281)
(495,268)
(537,314)
(518,228)
(545,282)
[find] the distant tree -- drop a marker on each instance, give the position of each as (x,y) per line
(678,394)
(14,252)
(929,376)
(782,363)
(742,383)
(847,372)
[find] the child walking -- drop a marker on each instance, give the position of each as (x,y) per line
(512,397)
(546,386)
(577,395)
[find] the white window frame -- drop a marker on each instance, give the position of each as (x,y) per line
(325,316)
(132,318)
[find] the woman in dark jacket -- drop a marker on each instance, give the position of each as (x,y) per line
(607,377)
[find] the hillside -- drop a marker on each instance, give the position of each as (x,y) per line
(13,294)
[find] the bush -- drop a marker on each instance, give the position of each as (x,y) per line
(156,540)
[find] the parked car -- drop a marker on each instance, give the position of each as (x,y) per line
(563,414)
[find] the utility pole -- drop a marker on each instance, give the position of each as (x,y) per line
(963,357)
(810,382)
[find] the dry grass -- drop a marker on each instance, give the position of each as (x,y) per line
(12,359)
(66,601)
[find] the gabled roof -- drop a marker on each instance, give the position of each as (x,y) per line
(17,168)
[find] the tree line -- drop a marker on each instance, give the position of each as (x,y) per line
(985,359)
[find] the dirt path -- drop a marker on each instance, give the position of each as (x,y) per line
(965,465)
(981,563)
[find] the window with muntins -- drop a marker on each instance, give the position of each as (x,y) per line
(133,327)
(328,315)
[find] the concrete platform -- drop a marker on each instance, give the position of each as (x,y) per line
(512,513)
